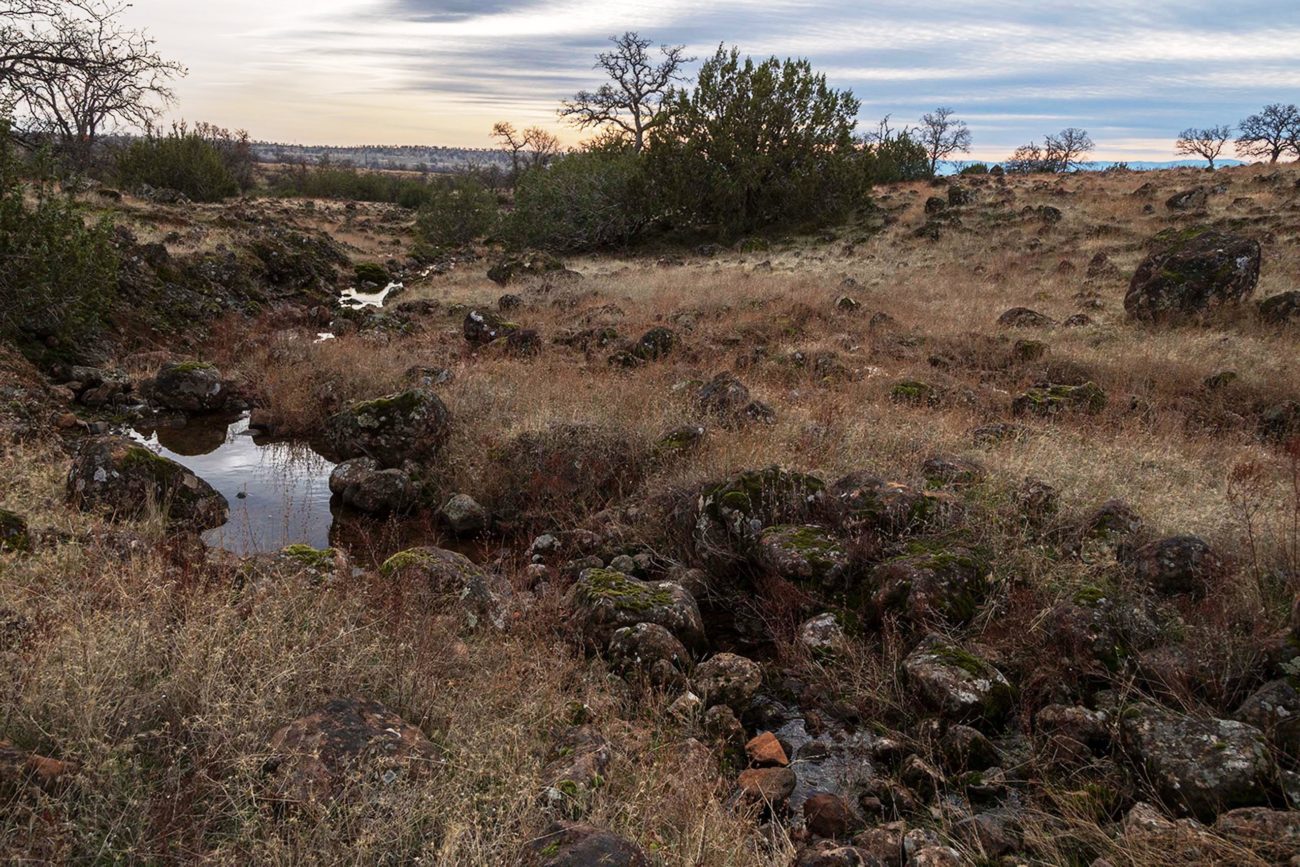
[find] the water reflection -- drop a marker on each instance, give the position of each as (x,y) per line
(279,494)
(278,491)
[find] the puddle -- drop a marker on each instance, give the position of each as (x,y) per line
(279,495)
(278,491)
(353,298)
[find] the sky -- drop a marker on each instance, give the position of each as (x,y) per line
(441,72)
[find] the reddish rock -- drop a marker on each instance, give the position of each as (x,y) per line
(827,815)
(766,785)
(765,751)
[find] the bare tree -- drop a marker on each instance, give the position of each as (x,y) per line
(1026,160)
(631,99)
(1066,150)
(1270,133)
(71,69)
(1206,143)
(533,147)
(943,135)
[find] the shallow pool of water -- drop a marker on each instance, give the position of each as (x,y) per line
(278,491)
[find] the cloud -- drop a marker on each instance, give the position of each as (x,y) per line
(442,70)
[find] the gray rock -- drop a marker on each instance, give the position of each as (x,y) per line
(1200,766)
(189,386)
(1191,271)
(604,601)
(463,515)
(129,481)
(956,683)
(410,425)
(729,679)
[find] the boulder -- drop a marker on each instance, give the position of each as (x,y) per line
(567,844)
(1188,200)
(382,492)
(1274,709)
(1023,317)
(523,267)
(729,679)
(318,757)
(655,344)
(463,515)
(1281,421)
(1192,270)
(1200,766)
(823,635)
(410,425)
(1177,565)
(650,651)
(729,515)
(1088,398)
(1272,834)
(769,787)
(929,587)
(189,386)
(866,501)
(128,480)
(14,535)
(1281,309)
(483,326)
(956,683)
(724,397)
(826,815)
(765,751)
(448,576)
(605,600)
(935,205)
(803,553)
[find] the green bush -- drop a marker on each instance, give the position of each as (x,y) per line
(583,201)
(327,181)
(456,212)
(758,144)
(57,274)
(182,160)
(895,158)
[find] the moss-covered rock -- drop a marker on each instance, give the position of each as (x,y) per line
(14,535)
(190,386)
(914,392)
(929,585)
(1088,398)
(866,501)
(410,425)
(128,480)
(439,577)
(606,600)
(370,272)
(1191,270)
(484,326)
(957,684)
(803,552)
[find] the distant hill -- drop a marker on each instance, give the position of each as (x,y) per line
(953,167)
(392,157)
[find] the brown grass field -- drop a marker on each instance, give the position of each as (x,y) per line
(126,650)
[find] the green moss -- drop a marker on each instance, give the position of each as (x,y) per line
(191,366)
(958,657)
(159,468)
(313,558)
(402,560)
(1090,596)
(911,391)
(369,272)
(627,594)
(402,403)
(13,532)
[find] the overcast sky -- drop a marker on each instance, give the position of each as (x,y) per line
(442,71)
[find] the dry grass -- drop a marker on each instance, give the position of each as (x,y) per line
(143,669)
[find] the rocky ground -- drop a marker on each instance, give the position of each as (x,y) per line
(966,533)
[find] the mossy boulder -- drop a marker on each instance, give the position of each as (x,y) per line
(649,651)
(729,679)
(730,515)
(655,344)
(1199,766)
(1190,271)
(803,553)
(127,480)
(14,535)
(190,386)
(929,585)
(1281,309)
(957,684)
(866,501)
(914,392)
(606,600)
(372,273)
(481,327)
(411,425)
(522,267)
(439,578)
(1088,399)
